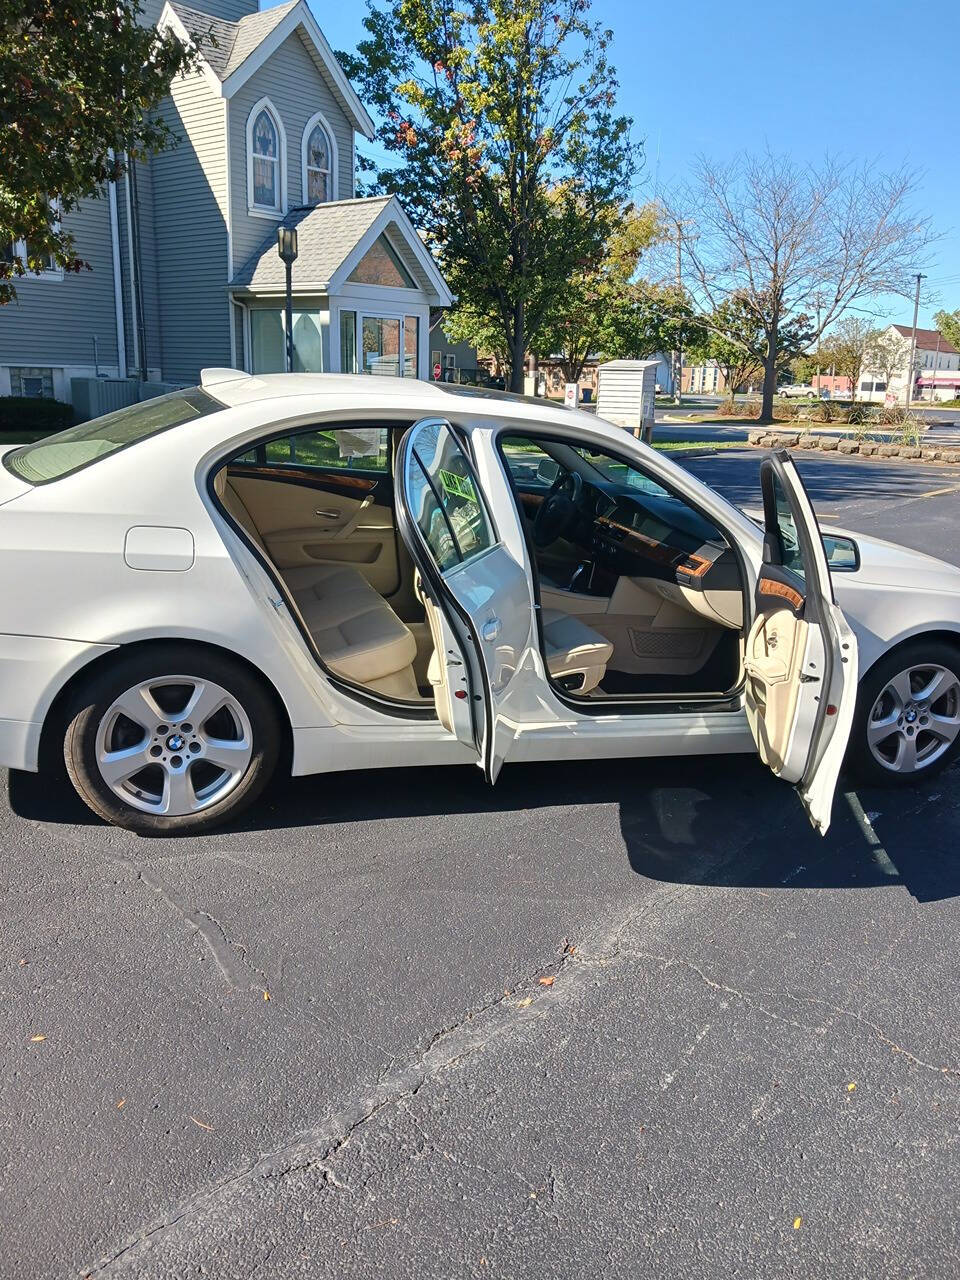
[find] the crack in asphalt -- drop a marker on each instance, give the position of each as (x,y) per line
(752,1000)
(316,1148)
(230,957)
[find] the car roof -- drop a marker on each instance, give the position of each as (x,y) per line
(234,388)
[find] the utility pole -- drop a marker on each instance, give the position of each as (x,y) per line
(936,366)
(819,302)
(913,340)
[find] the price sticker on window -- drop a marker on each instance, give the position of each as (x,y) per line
(360,442)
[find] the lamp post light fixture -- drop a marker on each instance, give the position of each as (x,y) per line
(287,248)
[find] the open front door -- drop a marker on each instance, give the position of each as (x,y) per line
(801,656)
(476,594)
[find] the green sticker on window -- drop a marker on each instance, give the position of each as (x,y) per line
(458,486)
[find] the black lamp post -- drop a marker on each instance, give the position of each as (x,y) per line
(287,248)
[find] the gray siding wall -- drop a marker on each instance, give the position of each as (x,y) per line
(294,84)
(189,210)
(54,321)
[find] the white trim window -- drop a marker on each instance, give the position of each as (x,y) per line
(319,157)
(14,249)
(266,160)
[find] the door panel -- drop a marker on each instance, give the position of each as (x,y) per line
(801,656)
(482,590)
(322,518)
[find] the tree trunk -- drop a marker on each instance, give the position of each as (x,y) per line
(769,386)
(518,349)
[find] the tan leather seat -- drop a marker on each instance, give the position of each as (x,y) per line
(573,650)
(355,631)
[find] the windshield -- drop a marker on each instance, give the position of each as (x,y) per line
(78,447)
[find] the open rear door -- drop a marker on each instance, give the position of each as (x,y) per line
(801,655)
(481,594)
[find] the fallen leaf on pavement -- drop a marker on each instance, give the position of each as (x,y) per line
(548,981)
(201,1125)
(266,995)
(851,1086)
(121,1103)
(37,1039)
(797,1223)
(522,1004)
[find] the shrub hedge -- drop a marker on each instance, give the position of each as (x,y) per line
(28,413)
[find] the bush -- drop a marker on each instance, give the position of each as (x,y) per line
(27,413)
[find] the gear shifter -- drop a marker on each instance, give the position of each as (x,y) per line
(582,568)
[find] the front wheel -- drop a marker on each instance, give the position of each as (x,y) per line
(171,740)
(907,722)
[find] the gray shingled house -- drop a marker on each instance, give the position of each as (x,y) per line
(186,272)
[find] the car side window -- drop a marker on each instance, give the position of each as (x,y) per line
(788,542)
(355,448)
(444,498)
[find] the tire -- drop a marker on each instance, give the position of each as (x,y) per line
(879,705)
(171,740)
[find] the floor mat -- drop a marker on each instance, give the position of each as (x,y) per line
(717,675)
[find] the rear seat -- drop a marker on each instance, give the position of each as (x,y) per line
(355,631)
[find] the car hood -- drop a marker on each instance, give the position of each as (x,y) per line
(888,564)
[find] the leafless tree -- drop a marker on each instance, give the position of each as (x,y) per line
(802,245)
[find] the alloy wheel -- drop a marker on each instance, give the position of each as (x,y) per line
(174,745)
(915,718)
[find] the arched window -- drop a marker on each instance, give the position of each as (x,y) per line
(319,162)
(266,179)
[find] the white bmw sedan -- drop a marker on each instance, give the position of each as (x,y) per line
(355,572)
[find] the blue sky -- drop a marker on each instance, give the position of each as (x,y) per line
(862,79)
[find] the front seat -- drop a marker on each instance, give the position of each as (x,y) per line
(576,656)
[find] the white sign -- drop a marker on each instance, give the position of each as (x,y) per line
(890,399)
(571,395)
(359,442)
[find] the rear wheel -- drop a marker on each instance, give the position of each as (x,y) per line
(173,739)
(907,724)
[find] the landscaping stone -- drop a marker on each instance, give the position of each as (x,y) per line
(930,455)
(755,437)
(829,442)
(848,446)
(950,455)
(868,447)
(888,451)
(788,438)
(909,451)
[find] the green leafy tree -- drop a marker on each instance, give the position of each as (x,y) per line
(78,80)
(598,296)
(847,349)
(948,322)
(735,336)
(658,317)
(501,115)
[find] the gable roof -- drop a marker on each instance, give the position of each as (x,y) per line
(232,51)
(331,240)
(927,339)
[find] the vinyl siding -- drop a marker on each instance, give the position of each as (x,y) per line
(189,211)
(53,322)
(292,81)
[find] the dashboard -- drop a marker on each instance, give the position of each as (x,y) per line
(631,533)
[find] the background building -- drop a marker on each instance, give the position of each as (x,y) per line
(185,270)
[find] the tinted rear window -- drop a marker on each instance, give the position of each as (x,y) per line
(78,447)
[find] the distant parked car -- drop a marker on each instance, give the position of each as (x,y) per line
(798,389)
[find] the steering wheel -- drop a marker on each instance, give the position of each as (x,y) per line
(559,509)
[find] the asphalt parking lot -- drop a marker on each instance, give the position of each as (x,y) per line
(319,1044)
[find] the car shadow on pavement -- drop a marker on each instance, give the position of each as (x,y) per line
(720,820)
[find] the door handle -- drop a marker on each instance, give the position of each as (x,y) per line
(326,514)
(491,630)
